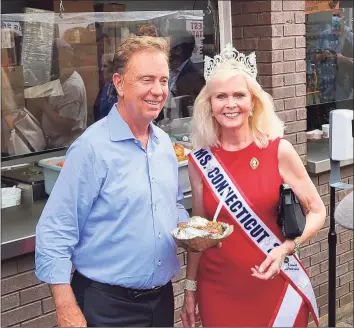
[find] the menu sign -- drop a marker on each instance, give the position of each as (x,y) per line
(36,57)
(313,6)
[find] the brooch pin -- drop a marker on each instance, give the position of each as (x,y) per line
(254,163)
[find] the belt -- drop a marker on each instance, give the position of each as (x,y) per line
(119,290)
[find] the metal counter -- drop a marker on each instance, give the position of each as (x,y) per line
(318,157)
(18,226)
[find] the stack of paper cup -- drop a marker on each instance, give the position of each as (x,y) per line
(325,130)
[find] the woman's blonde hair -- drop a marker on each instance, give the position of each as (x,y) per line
(264,123)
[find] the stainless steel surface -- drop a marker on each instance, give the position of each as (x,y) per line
(18,226)
(318,157)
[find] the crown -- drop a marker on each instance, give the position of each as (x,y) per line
(229,52)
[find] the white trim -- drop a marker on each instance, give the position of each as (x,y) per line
(289,308)
(225,22)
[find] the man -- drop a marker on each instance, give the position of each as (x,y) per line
(185,77)
(336,67)
(114,205)
(65,117)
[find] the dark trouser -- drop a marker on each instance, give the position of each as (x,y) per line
(104,305)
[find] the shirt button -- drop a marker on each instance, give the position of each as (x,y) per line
(136,141)
(159,263)
(159,234)
(155,207)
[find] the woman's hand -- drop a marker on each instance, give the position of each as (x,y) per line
(271,266)
(189,315)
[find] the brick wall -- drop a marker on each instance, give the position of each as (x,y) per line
(26,302)
(275,30)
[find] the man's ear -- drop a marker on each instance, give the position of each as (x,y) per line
(118,82)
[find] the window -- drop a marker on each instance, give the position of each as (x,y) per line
(329,42)
(56,66)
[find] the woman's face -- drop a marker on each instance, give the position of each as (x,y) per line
(231,102)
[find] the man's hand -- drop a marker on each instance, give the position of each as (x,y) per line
(189,315)
(70,317)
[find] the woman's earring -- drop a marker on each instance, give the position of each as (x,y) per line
(251,111)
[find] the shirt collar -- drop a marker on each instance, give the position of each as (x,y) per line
(119,130)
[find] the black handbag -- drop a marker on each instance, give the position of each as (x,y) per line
(291,217)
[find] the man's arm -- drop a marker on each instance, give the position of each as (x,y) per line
(59,227)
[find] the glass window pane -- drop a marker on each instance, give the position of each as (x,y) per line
(57,69)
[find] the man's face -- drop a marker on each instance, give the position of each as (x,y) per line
(143,89)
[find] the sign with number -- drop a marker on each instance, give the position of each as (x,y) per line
(195,27)
(313,6)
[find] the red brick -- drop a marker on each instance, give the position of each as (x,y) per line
(270,56)
(345,257)
(34,293)
(279,104)
(177,314)
(178,287)
(237,32)
(342,290)
(300,42)
(322,189)
(300,66)
(45,321)
(346,278)
(48,305)
(256,6)
(20,314)
(277,30)
(300,90)
(319,279)
(8,268)
(10,301)
(289,17)
(296,126)
(283,43)
(289,67)
(294,78)
(300,17)
(294,54)
(236,8)
(276,5)
(257,31)
(244,20)
(319,257)
(322,300)
(298,102)
(271,81)
(314,271)
(20,281)
(343,248)
(293,5)
(288,116)
(292,139)
(301,137)
(181,275)
(309,250)
(324,178)
(270,18)
(345,236)
(246,44)
(294,29)
(301,149)
(284,92)
(346,299)
(301,114)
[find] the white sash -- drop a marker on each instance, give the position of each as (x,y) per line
(299,286)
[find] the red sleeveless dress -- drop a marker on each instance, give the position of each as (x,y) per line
(227,293)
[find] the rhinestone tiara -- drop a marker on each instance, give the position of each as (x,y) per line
(229,52)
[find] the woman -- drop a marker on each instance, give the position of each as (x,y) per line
(243,153)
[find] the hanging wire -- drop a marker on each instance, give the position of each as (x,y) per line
(61,9)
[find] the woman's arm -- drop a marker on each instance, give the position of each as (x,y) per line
(198,210)
(189,315)
(295,175)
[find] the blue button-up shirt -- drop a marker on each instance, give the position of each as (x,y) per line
(112,209)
